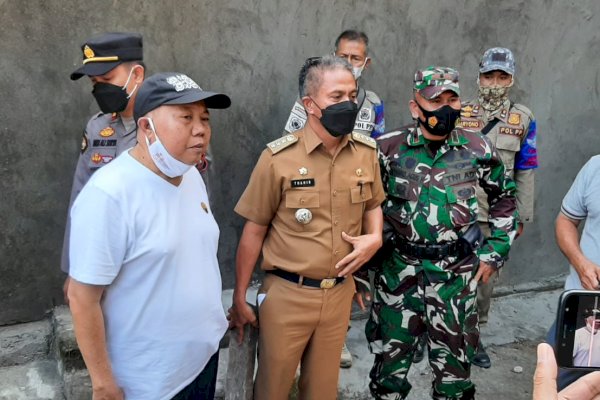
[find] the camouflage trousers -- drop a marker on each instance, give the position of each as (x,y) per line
(410,300)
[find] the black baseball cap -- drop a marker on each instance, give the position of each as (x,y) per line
(103,53)
(174,88)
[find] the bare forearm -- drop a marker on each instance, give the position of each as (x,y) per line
(373,221)
(247,255)
(89,327)
(567,238)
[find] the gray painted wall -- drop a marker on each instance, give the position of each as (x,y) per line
(252,50)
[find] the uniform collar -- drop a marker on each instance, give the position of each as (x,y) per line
(501,113)
(416,138)
(312,141)
(456,139)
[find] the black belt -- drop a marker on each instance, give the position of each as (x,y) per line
(326,283)
(433,251)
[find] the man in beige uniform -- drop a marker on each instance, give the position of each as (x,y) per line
(512,129)
(313,207)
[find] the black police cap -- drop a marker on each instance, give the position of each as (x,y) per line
(174,88)
(104,52)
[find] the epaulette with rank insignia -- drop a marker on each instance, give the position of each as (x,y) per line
(277,145)
(364,139)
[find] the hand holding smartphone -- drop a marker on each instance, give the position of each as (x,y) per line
(578,330)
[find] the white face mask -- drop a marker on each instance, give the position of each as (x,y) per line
(357,71)
(165,162)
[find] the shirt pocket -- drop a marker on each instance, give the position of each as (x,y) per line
(508,146)
(359,195)
(462,203)
(405,196)
(297,199)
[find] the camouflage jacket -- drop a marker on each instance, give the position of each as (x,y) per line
(431,198)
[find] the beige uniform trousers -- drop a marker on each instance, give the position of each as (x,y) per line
(301,325)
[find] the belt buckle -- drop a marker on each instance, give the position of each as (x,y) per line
(328,283)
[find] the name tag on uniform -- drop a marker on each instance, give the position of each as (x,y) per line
(296,183)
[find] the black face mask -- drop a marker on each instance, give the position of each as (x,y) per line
(339,118)
(440,122)
(111,98)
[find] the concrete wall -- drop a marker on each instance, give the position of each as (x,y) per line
(253,50)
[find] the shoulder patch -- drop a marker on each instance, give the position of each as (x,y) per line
(364,139)
(84,143)
(372,97)
(279,144)
(524,110)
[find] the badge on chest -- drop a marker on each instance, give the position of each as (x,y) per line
(299,183)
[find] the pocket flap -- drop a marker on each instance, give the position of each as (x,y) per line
(508,142)
(459,192)
(361,193)
(302,199)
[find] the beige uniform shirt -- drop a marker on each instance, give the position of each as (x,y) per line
(296,173)
(508,135)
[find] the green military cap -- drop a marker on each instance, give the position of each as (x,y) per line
(432,81)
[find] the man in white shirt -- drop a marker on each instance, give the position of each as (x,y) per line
(586,348)
(582,250)
(145,289)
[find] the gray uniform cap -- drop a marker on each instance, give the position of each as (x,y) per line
(497,59)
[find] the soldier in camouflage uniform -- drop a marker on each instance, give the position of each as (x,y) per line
(428,282)
(353,46)
(511,127)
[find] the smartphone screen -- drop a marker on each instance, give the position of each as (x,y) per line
(578,330)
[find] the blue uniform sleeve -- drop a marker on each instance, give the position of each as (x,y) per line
(379,128)
(527,157)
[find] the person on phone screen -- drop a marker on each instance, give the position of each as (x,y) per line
(586,349)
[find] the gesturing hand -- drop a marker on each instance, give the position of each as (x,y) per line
(365,246)
(589,274)
(484,272)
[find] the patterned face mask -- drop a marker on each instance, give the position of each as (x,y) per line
(491,98)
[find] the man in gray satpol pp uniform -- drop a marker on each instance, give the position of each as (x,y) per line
(353,46)
(113,63)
